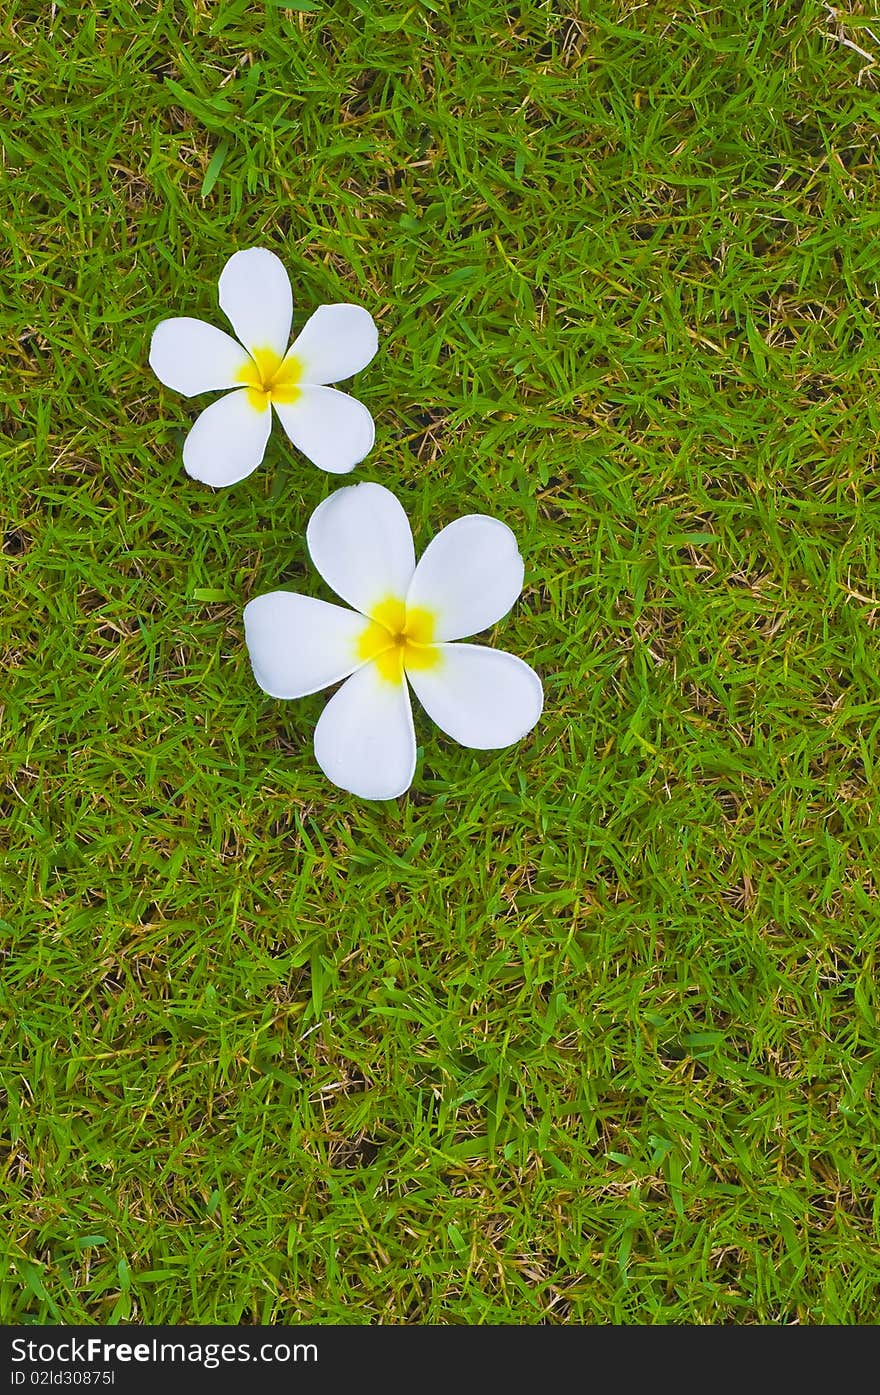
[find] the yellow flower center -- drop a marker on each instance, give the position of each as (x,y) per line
(269,378)
(397,638)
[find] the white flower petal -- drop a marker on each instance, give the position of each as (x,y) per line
(227,440)
(360,541)
(480,697)
(468,577)
(333,430)
(364,740)
(192,357)
(335,342)
(255,296)
(299,645)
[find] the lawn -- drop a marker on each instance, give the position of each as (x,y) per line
(582,1030)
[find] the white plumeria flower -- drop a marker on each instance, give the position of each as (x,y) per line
(405,619)
(228,439)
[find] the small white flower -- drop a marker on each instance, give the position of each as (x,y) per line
(228,439)
(405,618)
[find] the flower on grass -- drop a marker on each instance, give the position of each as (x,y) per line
(401,634)
(228,439)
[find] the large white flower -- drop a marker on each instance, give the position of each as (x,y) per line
(402,628)
(228,439)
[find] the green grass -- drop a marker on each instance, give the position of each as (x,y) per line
(584,1030)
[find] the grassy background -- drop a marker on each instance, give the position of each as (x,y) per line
(585,1029)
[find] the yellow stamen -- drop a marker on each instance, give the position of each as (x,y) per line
(269,378)
(397,638)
